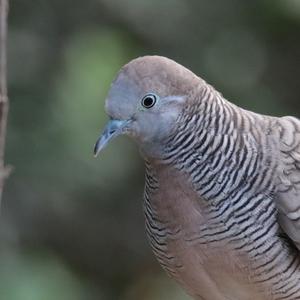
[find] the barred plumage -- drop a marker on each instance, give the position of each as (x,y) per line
(222,186)
(229,159)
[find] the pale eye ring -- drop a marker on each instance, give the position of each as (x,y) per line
(149,100)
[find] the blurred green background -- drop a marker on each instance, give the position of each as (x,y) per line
(71,226)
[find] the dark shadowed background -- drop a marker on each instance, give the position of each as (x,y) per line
(72,226)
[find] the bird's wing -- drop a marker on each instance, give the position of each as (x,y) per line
(288,197)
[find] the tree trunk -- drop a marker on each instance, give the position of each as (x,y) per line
(3,91)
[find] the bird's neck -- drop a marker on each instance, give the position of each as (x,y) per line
(210,132)
(206,117)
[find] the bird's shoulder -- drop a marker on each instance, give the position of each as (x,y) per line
(288,179)
(288,131)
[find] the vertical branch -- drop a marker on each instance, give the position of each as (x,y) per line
(3,90)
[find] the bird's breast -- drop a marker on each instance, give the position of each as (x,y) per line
(193,247)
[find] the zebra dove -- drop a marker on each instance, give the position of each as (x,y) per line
(222,184)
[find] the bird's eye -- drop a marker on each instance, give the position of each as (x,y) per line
(149,100)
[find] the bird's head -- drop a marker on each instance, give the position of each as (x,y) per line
(145,101)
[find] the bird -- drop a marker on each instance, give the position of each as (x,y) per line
(222,184)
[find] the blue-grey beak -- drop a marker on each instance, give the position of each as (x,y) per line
(112,129)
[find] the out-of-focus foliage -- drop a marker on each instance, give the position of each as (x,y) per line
(72,226)
(31,277)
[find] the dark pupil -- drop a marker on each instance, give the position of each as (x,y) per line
(148,101)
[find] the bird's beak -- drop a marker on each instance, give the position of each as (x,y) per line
(112,129)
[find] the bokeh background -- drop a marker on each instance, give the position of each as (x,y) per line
(72,226)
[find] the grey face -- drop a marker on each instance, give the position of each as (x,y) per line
(144,102)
